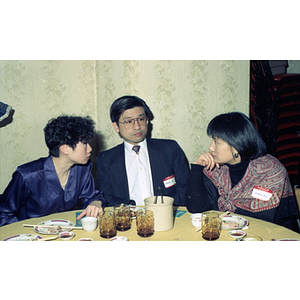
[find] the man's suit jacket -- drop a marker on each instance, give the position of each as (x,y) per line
(166,159)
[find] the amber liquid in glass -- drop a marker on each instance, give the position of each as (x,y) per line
(108,234)
(210,236)
(145,233)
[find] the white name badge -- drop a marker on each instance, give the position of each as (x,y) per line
(261,193)
(169,181)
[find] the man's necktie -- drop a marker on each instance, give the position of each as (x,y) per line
(136,149)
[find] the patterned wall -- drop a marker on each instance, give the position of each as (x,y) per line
(183,96)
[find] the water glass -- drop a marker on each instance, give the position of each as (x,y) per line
(145,223)
(211,226)
(107,225)
(122,217)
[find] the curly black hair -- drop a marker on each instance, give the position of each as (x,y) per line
(68,130)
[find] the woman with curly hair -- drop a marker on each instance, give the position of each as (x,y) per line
(55,183)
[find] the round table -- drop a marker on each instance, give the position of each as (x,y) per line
(183,230)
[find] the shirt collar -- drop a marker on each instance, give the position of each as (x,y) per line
(128,147)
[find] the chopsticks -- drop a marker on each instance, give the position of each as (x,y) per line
(224,214)
(46,239)
(220,217)
(51,226)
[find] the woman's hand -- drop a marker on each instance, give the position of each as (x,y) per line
(206,160)
(92,210)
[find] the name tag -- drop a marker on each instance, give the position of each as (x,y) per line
(261,193)
(169,181)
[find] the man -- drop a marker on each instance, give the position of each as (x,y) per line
(126,176)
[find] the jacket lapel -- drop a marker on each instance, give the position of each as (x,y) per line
(119,173)
(157,161)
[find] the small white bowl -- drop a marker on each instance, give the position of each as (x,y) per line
(89,223)
(237,234)
(119,239)
(66,236)
(85,240)
(196,220)
(252,238)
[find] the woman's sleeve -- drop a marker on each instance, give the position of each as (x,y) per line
(88,191)
(13,199)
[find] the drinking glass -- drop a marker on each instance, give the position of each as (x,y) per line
(107,225)
(122,217)
(145,223)
(211,226)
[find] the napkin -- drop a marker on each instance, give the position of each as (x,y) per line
(179,213)
(78,222)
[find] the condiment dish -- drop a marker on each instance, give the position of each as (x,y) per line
(66,236)
(119,239)
(237,233)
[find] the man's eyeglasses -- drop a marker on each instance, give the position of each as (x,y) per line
(129,123)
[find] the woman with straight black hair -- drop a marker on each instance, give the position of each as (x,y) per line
(238,175)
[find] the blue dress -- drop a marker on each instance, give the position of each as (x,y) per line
(35,191)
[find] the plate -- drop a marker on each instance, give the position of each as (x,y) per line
(86,240)
(23,237)
(288,239)
(233,222)
(49,230)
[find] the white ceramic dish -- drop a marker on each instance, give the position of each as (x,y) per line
(252,238)
(287,239)
(196,220)
(66,236)
(119,239)
(85,240)
(89,223)
(23,237)
(234,222)
(237,234)
(49,230)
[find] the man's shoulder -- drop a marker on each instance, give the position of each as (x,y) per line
(111,151)
(156,141)
(163,145)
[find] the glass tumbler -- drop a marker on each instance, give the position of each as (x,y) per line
(145,223)
(211,226)
(122,217)
(107,225)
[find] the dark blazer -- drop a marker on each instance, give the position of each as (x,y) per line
(166,159)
